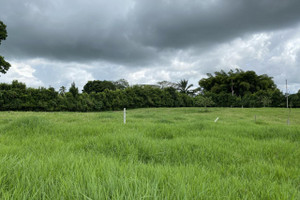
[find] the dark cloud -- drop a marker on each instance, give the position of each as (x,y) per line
(73,30)
(137,33)
(180,24)
(144,41)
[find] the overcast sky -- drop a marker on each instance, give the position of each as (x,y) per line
(56,42)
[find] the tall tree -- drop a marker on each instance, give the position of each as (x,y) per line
(121,84)
(236,82)
(74,90)
(4,66)
(62,90)
(98,86)
(184,87)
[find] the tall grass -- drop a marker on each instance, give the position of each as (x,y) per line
(163,153)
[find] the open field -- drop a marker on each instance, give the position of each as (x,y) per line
(163,153)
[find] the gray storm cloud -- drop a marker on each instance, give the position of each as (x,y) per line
(60,41)
(134,32)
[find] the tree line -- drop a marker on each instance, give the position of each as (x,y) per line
(16,96)
(4,65)
(243,88)
(232,89)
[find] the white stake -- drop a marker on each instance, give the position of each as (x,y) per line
(217,119)
(124,115)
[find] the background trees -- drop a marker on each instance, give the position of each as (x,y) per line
(235,88)
(203,101)
(100,86)
(4,66)
(121,84)
(74,90)
(240,88)
(184,87)
(16,96)
(236,82)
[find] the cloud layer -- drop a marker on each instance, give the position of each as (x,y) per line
(60,41)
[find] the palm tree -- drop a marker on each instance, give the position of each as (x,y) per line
(184,87)
(62,90)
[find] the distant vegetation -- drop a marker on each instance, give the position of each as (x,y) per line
(240,88)
(17,96)
(4,66)
(232,89)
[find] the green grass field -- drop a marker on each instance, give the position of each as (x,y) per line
(161,153)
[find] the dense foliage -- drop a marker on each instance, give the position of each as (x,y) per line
(240,88)
(17,96)
(98,86)
(294,100)
(237,83)
(4,66)
(232,89)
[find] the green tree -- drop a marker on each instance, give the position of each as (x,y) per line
(121,84)
(4,66)
(266,100)
(184,87)
(278,98)
(62,90)
(98,86)
(229,89)
(74,90)
(294,101)
(236,82)
(203,101)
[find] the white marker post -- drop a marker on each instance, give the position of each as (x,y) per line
(124,115)
(217,119)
